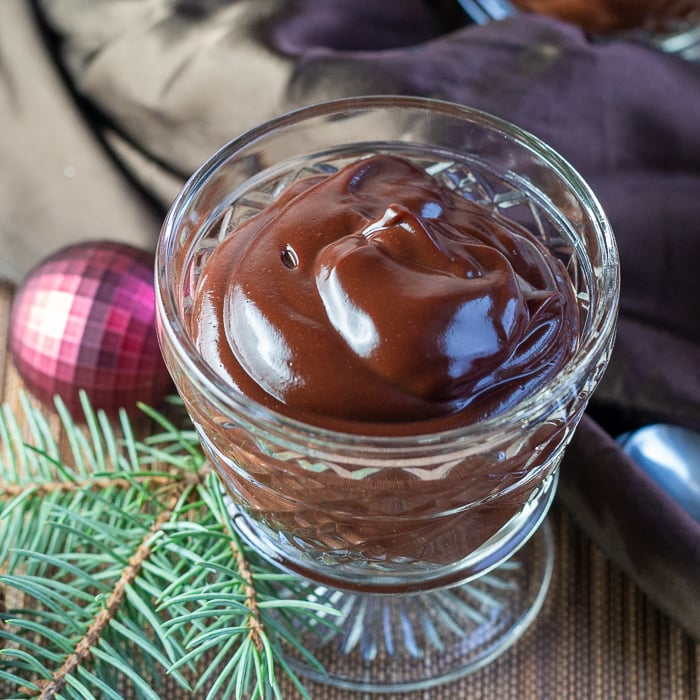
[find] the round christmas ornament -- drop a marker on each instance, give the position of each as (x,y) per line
(84,318)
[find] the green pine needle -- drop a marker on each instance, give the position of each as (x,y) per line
(118,565)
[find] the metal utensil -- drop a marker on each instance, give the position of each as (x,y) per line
(670,455)
(484,11)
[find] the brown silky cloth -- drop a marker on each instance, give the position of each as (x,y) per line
(107,106)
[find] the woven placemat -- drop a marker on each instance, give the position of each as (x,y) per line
(597,637)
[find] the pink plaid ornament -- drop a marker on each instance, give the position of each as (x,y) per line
(85,319)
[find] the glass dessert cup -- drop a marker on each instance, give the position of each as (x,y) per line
(430,544)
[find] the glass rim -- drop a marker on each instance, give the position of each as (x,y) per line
(528,411)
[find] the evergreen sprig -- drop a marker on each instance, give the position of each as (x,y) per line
(119,565)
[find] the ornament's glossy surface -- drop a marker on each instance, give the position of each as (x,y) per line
(669,454)
(84,319)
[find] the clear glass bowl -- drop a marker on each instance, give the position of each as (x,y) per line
(396,524)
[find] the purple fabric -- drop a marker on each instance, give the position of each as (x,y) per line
(363,25)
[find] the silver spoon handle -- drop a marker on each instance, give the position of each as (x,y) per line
(484,11)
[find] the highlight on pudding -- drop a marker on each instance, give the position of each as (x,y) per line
(378,295)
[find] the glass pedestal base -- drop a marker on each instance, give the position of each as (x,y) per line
(401,643)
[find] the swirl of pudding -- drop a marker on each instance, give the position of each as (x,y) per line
(377,299)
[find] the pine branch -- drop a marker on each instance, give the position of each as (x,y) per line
(254,623)
(116,597)
(129,569)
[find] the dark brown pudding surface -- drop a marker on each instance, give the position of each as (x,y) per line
(377,300)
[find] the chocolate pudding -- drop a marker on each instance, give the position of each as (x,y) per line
(376,300)
(379,300)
